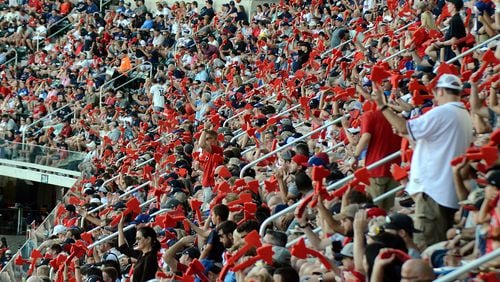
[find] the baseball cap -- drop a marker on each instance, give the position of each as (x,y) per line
(300,159)
(58,229)
(348,212)
(400,221)
(287,155)
(142,218)
(449,81)
(493,178)
(192,252)
(474,200)
(347,251)
(281,255)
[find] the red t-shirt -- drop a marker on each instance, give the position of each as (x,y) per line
(383,142)
(209,162)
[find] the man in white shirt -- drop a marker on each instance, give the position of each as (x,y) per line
(440,135)
(157,92)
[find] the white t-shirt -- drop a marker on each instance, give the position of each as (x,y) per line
(441,134)
(157,91)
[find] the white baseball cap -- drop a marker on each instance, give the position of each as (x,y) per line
(449,81)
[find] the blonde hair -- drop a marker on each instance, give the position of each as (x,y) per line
(428,21)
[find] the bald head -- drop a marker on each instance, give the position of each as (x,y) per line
(416,269)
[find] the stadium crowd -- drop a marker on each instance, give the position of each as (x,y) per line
(169,106)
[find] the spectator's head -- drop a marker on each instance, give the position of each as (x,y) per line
(109,274)
(225,231)
(220,213)
(449,87)
(417,270)
(286,274)
(211,137)
(275,238)
(400,224)
(347,256)
(303,182)
(146,240)
(346,218)
(454,5)
(188,255)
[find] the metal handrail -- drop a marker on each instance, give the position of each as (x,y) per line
(337,184)
(61,19)
(116,176)
(98,208)
(469,266)
(334,147)
(243,111)
(141,205)
(51,215)
(49,115)
(101,89)
(128,227)
(277,150)
(11,59)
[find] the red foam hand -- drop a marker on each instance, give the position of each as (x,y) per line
(251,208)
(73,200)
(490,154)
(60,210)
(419,99)
(495,137)
(319,173)
(223,188)
(197,268)
(20,261)
(375,212)
(301,251)
(400,255)
(244,198)
(116,219)
(444,14)
(264,253)
(133,206)
(254,186)
(304,102)
(196,206)
(475,77)
(379,73)
(87,237)
(271,185)
(147,172)
(398,173)
(490,58)
(171,221)
(303,204)
(457,160)
(362,175)
(300,74)
(252,240)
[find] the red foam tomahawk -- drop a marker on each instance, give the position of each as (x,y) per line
(264,253)
(301,251)
(35,255)
(196,268)
(196,206)
(252,240)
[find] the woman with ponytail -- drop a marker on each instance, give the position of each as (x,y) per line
(144,253)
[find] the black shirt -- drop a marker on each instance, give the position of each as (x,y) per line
(217,247)
(457,30)
(146,266)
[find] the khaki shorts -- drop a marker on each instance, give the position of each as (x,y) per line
(430,218)
(379,186)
